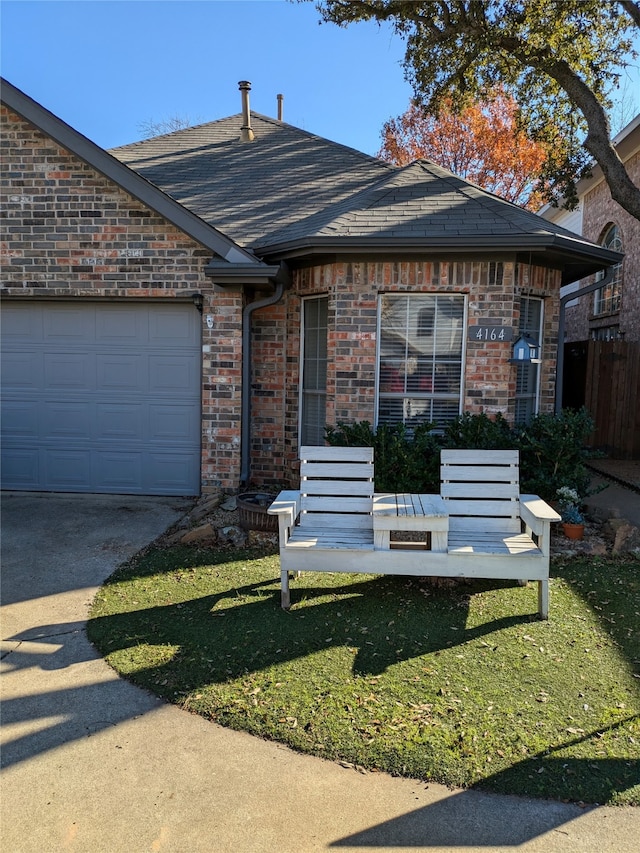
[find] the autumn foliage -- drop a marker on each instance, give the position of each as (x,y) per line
(483,144)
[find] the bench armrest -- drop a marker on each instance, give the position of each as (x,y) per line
(534,511)
(286,503)
(287,507)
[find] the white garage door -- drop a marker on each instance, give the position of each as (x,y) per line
(101,397)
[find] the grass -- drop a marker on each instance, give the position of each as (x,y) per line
(459,685)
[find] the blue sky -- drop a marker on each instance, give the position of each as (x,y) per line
(105,66)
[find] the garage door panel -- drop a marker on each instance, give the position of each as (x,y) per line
(121,325)
(171,374)
(21,466)
(20,325)
(67,420)
(91,404)
(173,423)
(67,470)
(124,373)
(68,371)
(65,324)
(20,419)
(171,471)
(119,472)
(120,421)
(173,328)
(21,369)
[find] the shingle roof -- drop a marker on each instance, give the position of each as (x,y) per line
(290,193)
(252,189)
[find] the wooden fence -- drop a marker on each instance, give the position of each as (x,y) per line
(612,396)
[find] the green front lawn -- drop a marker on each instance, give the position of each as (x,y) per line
(458,684)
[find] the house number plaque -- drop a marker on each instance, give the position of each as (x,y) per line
(490,333)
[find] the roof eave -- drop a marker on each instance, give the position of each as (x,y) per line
(577,258)
(257,275)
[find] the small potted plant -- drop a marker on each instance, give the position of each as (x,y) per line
(572,517)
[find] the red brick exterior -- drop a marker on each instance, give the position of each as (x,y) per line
(600,212)
(353,290)
(70,233)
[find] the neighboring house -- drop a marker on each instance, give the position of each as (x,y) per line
(602,328)
(181,314)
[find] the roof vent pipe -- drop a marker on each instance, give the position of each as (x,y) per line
(246,134)
(280,103)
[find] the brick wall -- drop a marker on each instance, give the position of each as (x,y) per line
(493,292)
(600,211)
(68,232)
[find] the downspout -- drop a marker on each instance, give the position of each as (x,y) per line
(245,426)
(569,297)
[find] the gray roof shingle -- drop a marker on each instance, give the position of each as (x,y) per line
(290,193)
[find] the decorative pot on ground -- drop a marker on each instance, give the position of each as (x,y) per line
(252,512)
(573,531)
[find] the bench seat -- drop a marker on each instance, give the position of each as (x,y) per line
(490,530)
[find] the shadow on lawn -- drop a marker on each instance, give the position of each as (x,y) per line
(376,617)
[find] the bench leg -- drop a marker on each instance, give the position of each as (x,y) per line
(543,599)
(285,595)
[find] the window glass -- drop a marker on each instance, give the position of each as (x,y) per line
(314,371)
(607,299)
(420,358)
(528,377)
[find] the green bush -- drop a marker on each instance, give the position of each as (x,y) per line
(479,432)
(404,462)
(552,450)
(553,453)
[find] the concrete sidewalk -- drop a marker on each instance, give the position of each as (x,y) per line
(91,763)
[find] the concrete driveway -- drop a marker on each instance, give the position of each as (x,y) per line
(91,763)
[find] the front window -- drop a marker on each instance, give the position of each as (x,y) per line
(528,378)
(313,406)
(420,358)
(607,299)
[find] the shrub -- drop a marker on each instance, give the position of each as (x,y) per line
(404,461)
(479,432)
(553,453)
(552,450)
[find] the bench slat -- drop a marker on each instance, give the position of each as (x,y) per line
(337,470)
(361,488)
(489,457)
(509,544)
(331,538)
(361,521)
(479,474)
(336,454)
(472,525)
(336,504)
(480,490)
(508,509)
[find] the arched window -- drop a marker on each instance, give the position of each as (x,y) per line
(607,299)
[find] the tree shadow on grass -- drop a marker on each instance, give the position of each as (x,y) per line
(217,638)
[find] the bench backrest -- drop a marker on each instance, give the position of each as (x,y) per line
(336,487)
(481,489)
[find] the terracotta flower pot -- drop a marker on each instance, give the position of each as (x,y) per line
(573,531)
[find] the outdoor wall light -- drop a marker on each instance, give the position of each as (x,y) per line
(198,301)
(525,351)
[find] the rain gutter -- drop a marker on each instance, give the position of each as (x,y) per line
(247,364)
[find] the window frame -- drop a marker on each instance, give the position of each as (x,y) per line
(607,300)
(302,391)
(432,396)
(533,370)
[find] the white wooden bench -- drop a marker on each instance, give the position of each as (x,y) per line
(491,530)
